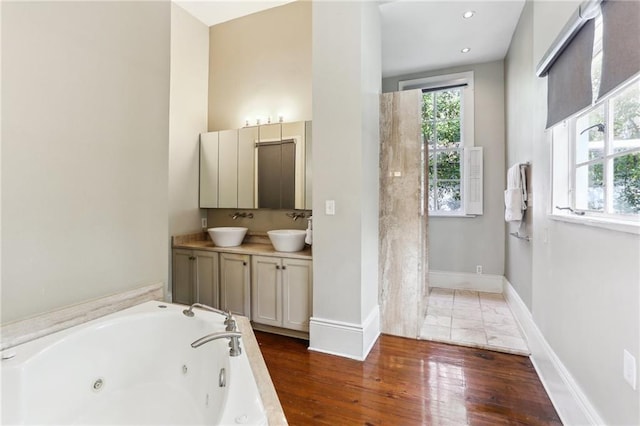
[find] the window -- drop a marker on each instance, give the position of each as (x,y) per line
(596,154)
(453,182)
(441,122)
(606,158)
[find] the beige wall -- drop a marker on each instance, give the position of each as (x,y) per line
(188,117)
(263,219)
(85,130)
(459,244)
(519,91)
(584,293)
(260,66)
(346,105)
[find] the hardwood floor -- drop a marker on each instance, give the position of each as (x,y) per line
(405,382)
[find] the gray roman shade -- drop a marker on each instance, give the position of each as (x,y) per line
(620,43)
(569,77)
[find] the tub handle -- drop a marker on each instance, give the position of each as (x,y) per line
(222,378)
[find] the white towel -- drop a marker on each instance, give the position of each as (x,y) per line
(515,196)
(513,203)
(309,237)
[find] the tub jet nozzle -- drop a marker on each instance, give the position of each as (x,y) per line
(188,312)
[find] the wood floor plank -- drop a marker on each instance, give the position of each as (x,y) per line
(405,382)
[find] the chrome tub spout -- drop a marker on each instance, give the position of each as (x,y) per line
(233,336)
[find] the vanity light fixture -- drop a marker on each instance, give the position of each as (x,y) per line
(257,121)
(468,14)
(269,120)
(280,119)
(246,122)
(466,50)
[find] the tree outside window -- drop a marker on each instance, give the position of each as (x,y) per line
(441,124)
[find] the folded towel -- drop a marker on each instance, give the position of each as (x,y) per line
(513,205)
(515,197)
(309,237)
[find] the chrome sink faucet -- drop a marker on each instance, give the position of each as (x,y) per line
(295,215)
(233,336)
(241,214)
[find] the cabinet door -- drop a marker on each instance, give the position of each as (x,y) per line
(297,131)
(247,138)
(209,170)
(297,277)
(270,132)
(228,169)
(234,284)
(266,290)
(308,175)
(206,278)
(182,277)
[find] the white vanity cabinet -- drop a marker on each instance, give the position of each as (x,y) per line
(209,156)
(227,169)
(235,284)
(281,292)
(195,277)
(266,166)
(247,138)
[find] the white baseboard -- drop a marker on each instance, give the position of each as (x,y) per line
(345,339)
(567,397)
(466,281)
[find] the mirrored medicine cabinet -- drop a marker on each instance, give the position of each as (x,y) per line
(266,166)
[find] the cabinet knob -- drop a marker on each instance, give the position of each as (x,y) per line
(284,267)
(244,263)
(277,266)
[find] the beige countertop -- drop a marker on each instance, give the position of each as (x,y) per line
(255,244)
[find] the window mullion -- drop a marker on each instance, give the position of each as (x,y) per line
(607,171)
(436,203)
(572,163)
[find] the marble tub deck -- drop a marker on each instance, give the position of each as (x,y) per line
(23,331)
(472,318)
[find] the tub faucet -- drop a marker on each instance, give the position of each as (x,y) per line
(234,341)
(228,321)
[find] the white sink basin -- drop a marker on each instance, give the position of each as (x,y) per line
(287,240)
(227,236)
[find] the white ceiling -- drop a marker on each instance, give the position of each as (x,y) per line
(428,35)
(213,12)
(417,35)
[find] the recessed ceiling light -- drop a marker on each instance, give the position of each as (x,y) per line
(468,14)
(466,50)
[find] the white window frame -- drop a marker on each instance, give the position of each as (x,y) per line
(471,200)
(563,159)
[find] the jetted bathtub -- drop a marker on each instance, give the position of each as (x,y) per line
(134,367)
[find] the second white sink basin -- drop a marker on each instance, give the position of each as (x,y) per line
(287,240)
(227,236)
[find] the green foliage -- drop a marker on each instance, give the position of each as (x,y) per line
(441,128)
(626,184)
(626,169)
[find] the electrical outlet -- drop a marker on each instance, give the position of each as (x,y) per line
(478,269)
(629,369)
(204,222)
(330,207)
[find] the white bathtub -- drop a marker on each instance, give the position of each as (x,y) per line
(134,367)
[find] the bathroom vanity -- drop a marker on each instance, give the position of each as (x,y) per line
(273,289)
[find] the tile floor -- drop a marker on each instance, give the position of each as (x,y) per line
(472,318)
